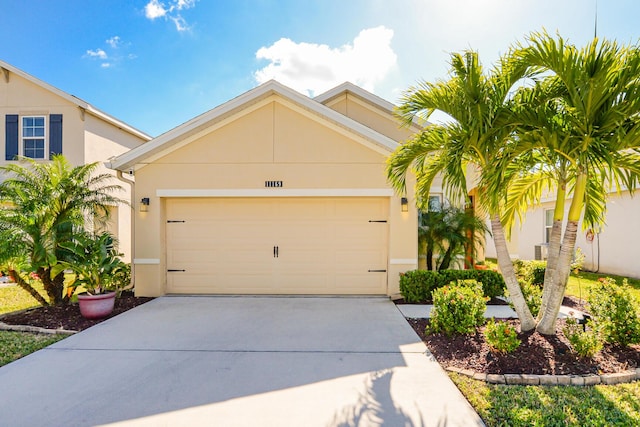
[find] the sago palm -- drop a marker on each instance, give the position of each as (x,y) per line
(43,205)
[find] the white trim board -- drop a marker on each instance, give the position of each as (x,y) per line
(146,261)
(277,192)
(403,261)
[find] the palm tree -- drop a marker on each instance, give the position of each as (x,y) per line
(582,141)
(44,205)
(479,106)
(447,231)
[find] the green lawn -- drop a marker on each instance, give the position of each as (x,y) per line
(14,298)
(513,406)
(579,284)
(15,345)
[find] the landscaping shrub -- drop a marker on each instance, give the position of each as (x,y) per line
(418,285)
(532,295)
(458,309)
(531,272)
(615,312)
(586,343)
(501,336)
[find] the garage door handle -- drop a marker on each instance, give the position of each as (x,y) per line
(171,270)
(377,271)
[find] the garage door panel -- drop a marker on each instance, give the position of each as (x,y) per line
(325,245)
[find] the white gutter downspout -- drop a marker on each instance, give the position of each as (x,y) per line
(133,225)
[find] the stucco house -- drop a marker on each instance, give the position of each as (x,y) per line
(273,192)
(39,120)
(609,250)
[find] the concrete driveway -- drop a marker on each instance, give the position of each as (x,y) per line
(237,361)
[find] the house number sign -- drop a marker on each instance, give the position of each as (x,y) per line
(273,184)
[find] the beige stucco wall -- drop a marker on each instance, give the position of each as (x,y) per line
(370,115)
(23,97)
(85,137)
(271,140)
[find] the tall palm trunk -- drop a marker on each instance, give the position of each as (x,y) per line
(547,323)
(527,322)
(553,252)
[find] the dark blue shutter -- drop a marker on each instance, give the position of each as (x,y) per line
(55,134)
(11,136)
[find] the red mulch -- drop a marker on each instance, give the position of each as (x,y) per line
(68,317)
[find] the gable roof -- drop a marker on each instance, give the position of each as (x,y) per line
(7,69)
(370,98)
(168,141)
(356,90)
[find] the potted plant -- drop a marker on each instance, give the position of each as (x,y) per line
(97,267)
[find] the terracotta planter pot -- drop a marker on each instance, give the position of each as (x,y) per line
(96,306)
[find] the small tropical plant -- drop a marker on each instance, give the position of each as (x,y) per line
(501,336)
(445,232)
(95,263)
(44,205)
(584,342)
(616,312)
(458,309)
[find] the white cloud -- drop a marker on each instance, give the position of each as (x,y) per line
(112,53)
(154,9)
(114,42)
(98,53)
(169,11)
(314,68)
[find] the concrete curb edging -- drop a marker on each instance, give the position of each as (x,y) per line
(550,380)
(35,329)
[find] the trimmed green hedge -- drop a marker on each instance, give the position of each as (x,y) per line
(417,285)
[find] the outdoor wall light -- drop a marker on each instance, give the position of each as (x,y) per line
(404,202)
(144,204)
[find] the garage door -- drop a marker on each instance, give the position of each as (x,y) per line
(277,245)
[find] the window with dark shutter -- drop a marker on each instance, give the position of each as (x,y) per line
(55,134)
(11,136)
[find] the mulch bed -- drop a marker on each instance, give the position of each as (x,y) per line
(68,317)
(538,354)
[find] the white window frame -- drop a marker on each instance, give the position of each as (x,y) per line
(547,227)
(22,138)
(435,196)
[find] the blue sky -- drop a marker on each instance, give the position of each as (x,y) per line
(158,63)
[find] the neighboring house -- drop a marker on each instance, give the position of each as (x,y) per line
(611,250)
(273,192)
(39,120)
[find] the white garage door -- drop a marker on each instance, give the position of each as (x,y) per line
(277,245)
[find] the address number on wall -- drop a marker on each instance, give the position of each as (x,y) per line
(273,184)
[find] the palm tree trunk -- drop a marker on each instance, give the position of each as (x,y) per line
(27,287)
(429,256)
(527,322)
(553,252)
(54,287)
(547,323)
